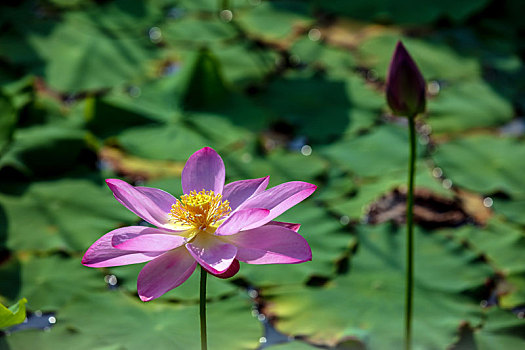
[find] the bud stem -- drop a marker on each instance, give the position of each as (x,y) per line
(409,287)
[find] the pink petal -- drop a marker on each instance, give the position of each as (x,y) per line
(271,244)
(166,272)
(163,199)
(204,170)
(232,270)
(213,254)
(278,199)
(103,254)
(239,191)
(240,219)
(147,204)
(149,239)
(291,226)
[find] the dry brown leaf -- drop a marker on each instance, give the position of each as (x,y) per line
(430,209)
(137,168)
(472,204)
(350,34)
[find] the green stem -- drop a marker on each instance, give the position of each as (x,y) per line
(409,287)
(202,310)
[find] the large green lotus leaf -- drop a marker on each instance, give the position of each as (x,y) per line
(363,96)
(114,320)
(284,167)
(284,16)
(204,82)
(156,101)
(337,185)
(180,140)
(195,81)
(318,55)
(436,60)
(281,166)
(245,64)
(47,111)
(501,330)
(204,89)
(119,16)
(465,105)
(369,191)
(68,214)
(167,142)
(500,242)
(484,163)
(189,290)
(241,110)
(329,242)
(199,83)
(349,105)
(512,209)
(365,104)
(404,11)
(197,31)
(104,47)
(361,120)
(221,131)
(51,282)
(106,118)
(384,148)
(368,302)
(355,207)
(44,151)
(296,100)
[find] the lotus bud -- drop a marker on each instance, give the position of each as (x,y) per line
(405,86)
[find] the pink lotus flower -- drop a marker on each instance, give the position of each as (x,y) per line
(213,224)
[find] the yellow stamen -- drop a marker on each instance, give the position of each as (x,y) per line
(200,210)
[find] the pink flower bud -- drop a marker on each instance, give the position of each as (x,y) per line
(405,86)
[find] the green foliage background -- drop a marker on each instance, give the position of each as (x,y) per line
(292,89)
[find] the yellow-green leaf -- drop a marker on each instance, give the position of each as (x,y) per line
(14,314)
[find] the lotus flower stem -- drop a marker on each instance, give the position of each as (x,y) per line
(202,309)
(410,234)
